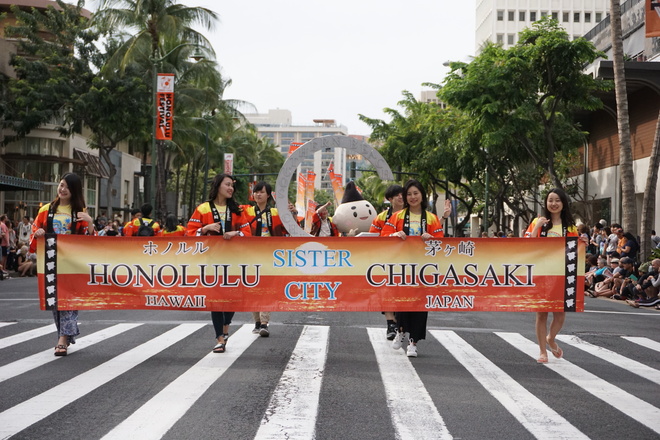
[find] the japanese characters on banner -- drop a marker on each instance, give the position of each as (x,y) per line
(652,18)
(164,106)
(303,274)
(229,163)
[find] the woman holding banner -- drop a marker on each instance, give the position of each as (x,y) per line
(557,221)
(64,215)
(412,220)
(220,215)
(264,221)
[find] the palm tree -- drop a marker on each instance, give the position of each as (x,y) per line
(159,33)
(629,220)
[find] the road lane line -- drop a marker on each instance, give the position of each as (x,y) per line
(23,415)
(37,360)
(600,388)
(293,407)
(537,417)
(644,342)
(630,365)
(176,399)
(26,336)
(414,415)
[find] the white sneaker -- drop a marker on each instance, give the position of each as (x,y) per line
(397,342)
(412,351)
(400,340)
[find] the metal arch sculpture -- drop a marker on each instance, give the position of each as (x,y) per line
(291,165)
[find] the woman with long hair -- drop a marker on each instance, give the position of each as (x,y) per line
(556,221)
(412,220)
(221,216)
(67,214)
(172,227)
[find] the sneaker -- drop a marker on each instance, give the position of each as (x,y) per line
(399,340)
(257,328)
(411,352)
(391,332)
(263,331)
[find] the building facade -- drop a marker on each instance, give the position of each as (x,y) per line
(500,21)
(44,156)
(277,126)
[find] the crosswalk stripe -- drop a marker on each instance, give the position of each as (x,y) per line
(176,399)
(628,364)
(644,342)
(591,383)
(26,336)
(37,360)
(538,418)
(21,416)
(407,397)
(4,324)
(293,407)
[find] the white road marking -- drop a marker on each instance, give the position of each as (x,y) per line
(600,388)
(293,407)
(644,342)
(23,415)
(26,336)
(176,399)
(413,412)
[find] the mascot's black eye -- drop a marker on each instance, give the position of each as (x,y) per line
(355,214)
(353,208)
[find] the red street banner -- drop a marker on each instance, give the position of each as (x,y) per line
(652,18)
(164,106)
(311,274)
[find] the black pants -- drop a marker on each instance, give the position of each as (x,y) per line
(220,319)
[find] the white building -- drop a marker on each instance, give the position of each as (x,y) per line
(277,126)
(500,21)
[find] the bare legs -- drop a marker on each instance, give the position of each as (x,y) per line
(546,338)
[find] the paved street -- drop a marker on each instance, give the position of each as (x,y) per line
(146,374)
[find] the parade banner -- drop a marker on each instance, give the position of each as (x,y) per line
(165,106)
(335,180)
(652,18)
(311,274)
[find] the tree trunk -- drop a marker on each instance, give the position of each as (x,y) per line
(629,220)
(648,204)
(112,171)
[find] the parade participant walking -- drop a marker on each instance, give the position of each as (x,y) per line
(65,215)
(221,216)
(412,220)
(557,221)
(394,195)
(172,227)
(128,229)
(264,221)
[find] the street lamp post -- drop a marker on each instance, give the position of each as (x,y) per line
(154,64)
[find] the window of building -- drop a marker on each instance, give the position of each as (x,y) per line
(500,15)
(532,15)
(509,39)
(564,17)
(511,15)
(599,17)
(576,17)
(500,39)
(555,16)
(306,137)
(90,194)
(544,14)
(521,15)
(267,134)
(587,17)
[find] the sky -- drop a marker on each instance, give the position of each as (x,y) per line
(339,58)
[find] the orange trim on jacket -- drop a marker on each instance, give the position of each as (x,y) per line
(276,228)
(41,222)
(180,231)
(316,226)
(203,215)
(571,231)
(395,224)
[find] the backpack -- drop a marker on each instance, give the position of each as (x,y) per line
(146,229)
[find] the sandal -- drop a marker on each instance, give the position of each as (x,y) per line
(543,359)
(60,350)
(556,352)
(219,348)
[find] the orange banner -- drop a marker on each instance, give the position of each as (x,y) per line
(165,106)
(303,274)
(652,18)
(335,180)
(300,196)
(310,204)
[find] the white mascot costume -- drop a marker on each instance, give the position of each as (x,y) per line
(354,215)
